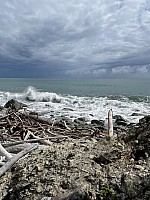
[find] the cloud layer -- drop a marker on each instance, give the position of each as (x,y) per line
(74,38)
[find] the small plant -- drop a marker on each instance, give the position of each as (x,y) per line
(107,194)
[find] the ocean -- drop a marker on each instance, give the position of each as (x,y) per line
(73,98)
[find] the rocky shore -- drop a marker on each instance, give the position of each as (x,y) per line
(91,167)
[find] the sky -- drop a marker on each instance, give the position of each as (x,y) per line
(75,38)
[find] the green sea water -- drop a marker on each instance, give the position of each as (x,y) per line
(80,87)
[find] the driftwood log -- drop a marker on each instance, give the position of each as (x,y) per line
(33,140)
(17,148)
(15,158)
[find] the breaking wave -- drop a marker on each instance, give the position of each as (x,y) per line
(31,94)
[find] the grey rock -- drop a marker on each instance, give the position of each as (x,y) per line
(121,123)
(80,120)
(136,114)
(141,133)
(14,105)
(98,122)
(1,108)
(118,118)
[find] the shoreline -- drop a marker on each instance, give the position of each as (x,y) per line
(54,105)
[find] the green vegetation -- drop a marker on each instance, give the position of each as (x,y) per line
(107,194)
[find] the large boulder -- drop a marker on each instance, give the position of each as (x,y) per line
(119,121)
(14,105)
(139,137)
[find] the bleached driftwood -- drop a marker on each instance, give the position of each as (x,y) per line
(47,142)
(27,135)
(67,127)
(8,121)
(4,117)
(38,119)
(5,153)
(110,123)
(14,159)
(33,140)
(2,158)
(19,118)
(17,148)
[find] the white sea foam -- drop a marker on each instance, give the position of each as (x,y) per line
(31,94)
(52,105)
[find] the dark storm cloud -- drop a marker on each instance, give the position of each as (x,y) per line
(76,37)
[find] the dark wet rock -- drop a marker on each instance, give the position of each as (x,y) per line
(75,102)
(136,114)
(68,109)
(14,105)
(97,122)
(101,159)
(91,115)
(30,99)
(55,100)
(33,113)
(138,137)
(134,188)
(47,105)
(80,120)
(1,108)
(121,123)
(118,118)
(138,154)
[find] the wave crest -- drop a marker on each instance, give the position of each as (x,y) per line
(32,94)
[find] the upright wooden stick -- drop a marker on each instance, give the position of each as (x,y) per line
(110,123)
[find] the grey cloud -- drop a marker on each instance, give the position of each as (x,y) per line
(76,37)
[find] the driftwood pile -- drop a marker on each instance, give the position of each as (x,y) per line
(19,127)
(21,132)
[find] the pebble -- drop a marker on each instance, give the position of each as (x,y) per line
(139,167)
(46,198)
